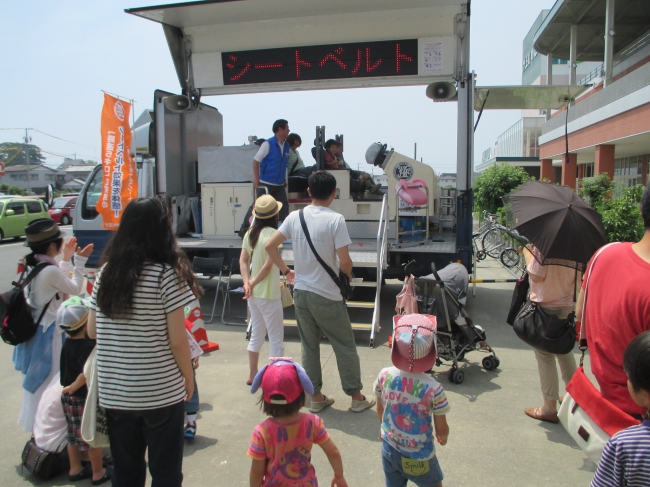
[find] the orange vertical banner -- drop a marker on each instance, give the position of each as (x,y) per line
(120,181)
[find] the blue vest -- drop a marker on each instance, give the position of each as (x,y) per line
(273,167)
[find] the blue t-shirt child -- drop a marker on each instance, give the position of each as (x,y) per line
(410,400)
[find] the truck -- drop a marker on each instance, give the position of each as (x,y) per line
(254,46)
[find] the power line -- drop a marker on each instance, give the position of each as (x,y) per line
(64,140)
(54,137)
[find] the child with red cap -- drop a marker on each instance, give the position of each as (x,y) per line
(408,397)
(281,446)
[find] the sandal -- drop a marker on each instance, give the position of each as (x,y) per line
(249,382)
(317,407)
(86,473)
(537,413)
(107,476)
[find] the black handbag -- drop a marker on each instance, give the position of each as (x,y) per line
(519,297)
(342,280)
(44,464)
(544,331)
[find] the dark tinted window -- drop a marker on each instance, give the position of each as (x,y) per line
(19,208)
(34,207)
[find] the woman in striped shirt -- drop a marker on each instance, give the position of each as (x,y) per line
(143,357)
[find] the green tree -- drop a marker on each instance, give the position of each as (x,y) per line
(9,189)
(595,190)
(15,154)
(494,183)
(622,217)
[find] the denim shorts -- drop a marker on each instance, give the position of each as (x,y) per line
(395,475)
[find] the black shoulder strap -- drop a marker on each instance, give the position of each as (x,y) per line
(327,268)
(34,272)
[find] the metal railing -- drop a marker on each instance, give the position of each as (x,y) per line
(382,264)
(597,72)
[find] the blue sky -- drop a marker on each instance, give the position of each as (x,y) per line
(57,56)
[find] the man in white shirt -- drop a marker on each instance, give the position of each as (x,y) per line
(320,308)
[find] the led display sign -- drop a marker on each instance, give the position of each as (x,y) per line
(334,61)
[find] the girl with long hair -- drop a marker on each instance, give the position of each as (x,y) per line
(143,357)
(38,357)
(262,288)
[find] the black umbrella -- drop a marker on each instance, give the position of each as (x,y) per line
(564,229)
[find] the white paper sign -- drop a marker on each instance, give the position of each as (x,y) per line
(432,57)
(195,349)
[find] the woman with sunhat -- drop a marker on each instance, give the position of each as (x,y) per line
(38,357)
(262,286)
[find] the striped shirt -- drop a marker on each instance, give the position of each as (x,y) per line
(135,365)
(626,459)
(410,400)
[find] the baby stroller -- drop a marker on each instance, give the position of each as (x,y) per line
(457,334)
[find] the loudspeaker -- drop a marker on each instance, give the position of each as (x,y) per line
(441,91)
(177,103)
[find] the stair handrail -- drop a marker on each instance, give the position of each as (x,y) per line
(382,263)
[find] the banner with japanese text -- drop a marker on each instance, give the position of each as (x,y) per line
(120,181)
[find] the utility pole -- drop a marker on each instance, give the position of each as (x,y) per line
(28,139)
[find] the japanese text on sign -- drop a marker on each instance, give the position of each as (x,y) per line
(335,61)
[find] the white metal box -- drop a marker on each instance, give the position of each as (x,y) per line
(223,207)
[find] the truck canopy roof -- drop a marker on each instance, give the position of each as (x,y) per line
(311,44)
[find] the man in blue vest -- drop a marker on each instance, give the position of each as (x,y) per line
(270,170)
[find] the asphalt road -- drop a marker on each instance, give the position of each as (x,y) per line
(491,443)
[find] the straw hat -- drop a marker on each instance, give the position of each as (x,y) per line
(42,231)
(266,207)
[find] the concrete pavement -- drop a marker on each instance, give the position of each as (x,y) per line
(491,443)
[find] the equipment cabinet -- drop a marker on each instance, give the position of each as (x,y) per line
(224,207)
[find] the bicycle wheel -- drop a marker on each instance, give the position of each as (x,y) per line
(509,257)
(493,242)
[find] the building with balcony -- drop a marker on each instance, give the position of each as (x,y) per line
(608,125)
(519,145)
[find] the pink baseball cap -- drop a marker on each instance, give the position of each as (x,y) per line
(414,342)
(282,376)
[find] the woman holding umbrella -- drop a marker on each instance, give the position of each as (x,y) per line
(553,288)
(565,232)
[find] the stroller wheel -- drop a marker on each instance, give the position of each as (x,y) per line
(497,362)
(457,376)
(489,363)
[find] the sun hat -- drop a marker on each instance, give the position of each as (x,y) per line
(414,342)
(266,207)
(42,231)
(282,376)
(72,314)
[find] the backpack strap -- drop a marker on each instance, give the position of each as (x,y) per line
(33,273)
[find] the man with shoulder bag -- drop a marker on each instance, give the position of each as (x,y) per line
(320,242)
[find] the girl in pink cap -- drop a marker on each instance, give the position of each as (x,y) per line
(281,445)
(408,400)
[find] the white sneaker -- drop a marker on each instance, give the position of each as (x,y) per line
(361,406)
